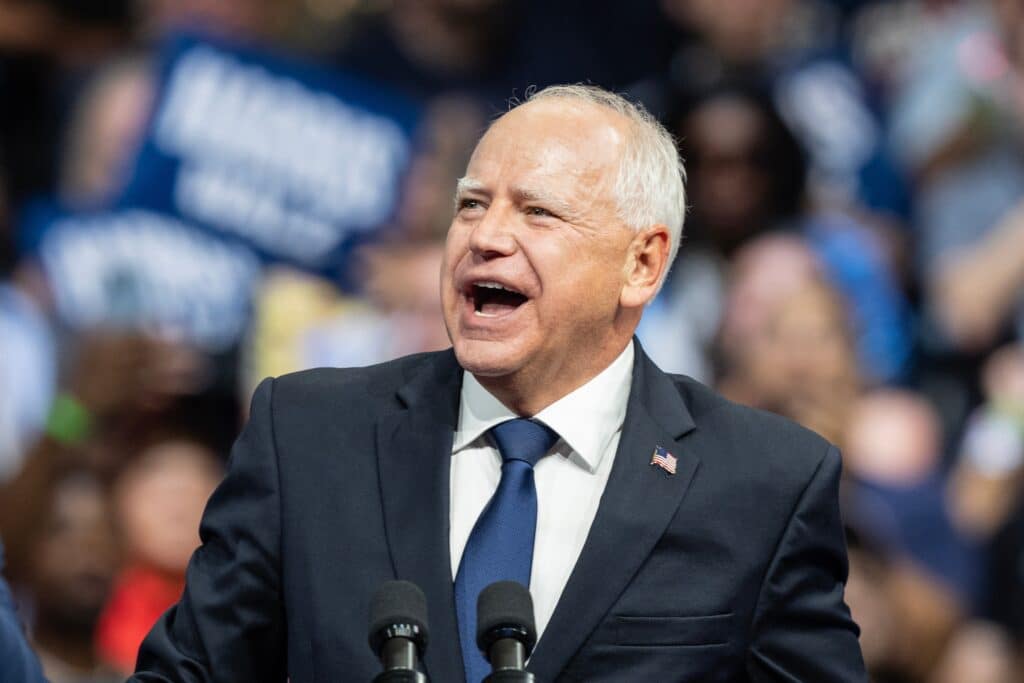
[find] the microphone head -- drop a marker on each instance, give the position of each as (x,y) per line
(505,610)
(398,610)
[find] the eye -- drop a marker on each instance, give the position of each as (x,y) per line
(468,203)
(539,211)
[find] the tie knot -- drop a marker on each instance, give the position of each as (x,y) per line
(523,439)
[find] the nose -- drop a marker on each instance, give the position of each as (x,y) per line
(493,235)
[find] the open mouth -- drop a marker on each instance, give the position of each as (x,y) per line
(492,300)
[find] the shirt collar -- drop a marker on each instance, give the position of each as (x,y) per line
(586,418)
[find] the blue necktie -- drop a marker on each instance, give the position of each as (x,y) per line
(500,548)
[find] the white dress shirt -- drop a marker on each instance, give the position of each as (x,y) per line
(570,480)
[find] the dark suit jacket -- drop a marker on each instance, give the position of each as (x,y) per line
(730,570)
(18,664)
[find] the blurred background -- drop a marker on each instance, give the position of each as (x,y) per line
(195,194)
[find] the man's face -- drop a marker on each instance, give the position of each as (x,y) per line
(536,254)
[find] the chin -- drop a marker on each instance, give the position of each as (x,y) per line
(486,358)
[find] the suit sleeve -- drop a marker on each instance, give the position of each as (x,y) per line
(803,630)
(229,623)
(18,664)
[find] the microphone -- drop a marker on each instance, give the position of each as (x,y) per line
(398,631)
(505,631)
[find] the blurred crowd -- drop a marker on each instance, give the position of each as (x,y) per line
(853,259)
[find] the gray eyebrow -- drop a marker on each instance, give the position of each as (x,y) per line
(467,185)
(464,186)
(560,206)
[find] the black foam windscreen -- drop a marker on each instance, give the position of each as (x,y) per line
(398,608)
(505,610)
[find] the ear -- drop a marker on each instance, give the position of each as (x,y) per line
(647,260)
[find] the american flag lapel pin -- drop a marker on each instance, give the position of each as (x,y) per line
(664,460)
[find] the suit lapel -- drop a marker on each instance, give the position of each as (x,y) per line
(638,503)
(414,455)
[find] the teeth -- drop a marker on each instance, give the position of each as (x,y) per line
(492,285)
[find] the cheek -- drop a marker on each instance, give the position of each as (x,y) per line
(603,269)
(449,261)
(456,245)
(583,283)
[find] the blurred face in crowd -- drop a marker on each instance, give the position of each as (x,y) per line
(728,183)
(74,562)
(765,272)
(795,357)
(543,283)
(161,499)
(807,340)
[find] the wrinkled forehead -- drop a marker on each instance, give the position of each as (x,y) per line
(550,139)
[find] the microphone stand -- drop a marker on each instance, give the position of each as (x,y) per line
(507,655)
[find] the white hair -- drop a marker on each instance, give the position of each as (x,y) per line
(649,188)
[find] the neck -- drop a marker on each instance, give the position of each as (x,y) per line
(526,393)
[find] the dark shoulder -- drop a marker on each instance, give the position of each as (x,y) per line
(760,440)
(392,372)
(366,385)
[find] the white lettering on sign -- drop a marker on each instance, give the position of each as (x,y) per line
(144,270)
(272,160)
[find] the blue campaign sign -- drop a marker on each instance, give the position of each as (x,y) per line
(248,158)
(144,270)
(295,160)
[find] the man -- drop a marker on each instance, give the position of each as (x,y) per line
(18,664)
(678,537)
